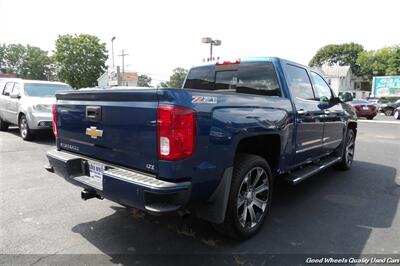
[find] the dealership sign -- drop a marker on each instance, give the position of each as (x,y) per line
(113,76)
(388,86)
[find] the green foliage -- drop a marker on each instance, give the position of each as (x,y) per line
(81,59)
(3,48)
(26,62)
(37,64)
(144,81)
(14,58)
(382,62)
(342,54)
(176,79)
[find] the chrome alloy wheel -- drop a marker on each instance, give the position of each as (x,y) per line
(252,198)
(23,126)
(350,144)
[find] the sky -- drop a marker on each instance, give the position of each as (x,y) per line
(162,35)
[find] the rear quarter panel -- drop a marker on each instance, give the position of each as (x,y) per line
(221,124)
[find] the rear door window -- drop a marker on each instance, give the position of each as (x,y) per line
(247,77)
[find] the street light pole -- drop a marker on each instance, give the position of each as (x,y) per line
(112,50)
(212,43)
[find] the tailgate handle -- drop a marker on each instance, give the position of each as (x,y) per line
(93,113)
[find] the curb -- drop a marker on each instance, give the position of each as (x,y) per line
(379,122)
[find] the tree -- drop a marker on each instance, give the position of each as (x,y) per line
(385,61)
(36,64)
(26,62)
(342,54)
(14,58)
(81,59)
(144,81)
(176,79)
(3,48)
(394,62)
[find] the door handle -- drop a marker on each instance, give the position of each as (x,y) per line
(302,112)
(327,112)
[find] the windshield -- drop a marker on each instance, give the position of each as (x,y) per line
(44,89)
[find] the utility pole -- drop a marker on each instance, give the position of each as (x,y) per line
(123,54)
(112,49)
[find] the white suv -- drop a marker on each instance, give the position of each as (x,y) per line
(28,104)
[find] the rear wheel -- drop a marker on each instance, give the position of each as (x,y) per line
(3,125)
(25,132)
(397,114)
(370,117)
(250,197)
(348,151)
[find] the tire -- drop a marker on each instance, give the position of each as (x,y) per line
(397,114)
(388,112)
(3,125)
(247,208)
(348,151)
(24,130)
(370,117)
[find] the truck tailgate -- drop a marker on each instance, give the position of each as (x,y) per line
(117,126)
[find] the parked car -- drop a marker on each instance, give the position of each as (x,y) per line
(388,108)
(377,102)
(364,108)
(213,147)
(27,103)
(397,113)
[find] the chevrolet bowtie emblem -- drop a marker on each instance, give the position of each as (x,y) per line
(93,132)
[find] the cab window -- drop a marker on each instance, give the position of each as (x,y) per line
(321,88)
(299,82)
(8,88)
(16,89)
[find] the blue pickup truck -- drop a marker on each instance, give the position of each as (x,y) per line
(213,147)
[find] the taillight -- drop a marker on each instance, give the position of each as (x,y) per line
(176,132)
(55,131)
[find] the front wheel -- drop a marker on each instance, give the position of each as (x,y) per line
(25,131)
(397,114)
(388,112)
(250,197)
(348,151)
(370,117)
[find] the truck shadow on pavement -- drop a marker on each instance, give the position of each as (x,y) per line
(331,213)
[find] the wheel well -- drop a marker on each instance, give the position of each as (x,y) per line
(267,146)
(19,116)
(353,126)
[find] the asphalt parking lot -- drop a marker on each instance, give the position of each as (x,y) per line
(354,212)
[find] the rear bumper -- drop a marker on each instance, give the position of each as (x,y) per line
(39,120)
(128,187)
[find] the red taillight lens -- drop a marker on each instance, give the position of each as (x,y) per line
(176,132)
(55,131)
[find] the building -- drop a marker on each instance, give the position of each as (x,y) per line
(341,79)
(113,77)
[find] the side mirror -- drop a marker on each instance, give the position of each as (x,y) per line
(15,96)
(346,97)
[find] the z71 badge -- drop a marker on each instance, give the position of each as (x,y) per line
(204,99)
